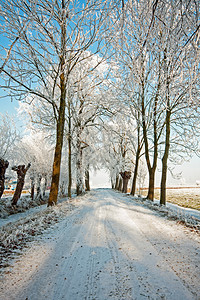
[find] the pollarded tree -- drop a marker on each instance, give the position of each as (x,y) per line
(21,173)
(118,153)
(36,148)
(129,98)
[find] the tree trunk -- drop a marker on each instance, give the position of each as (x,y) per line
(112,184)
(87,180)
(18,191)
(133,188)
(164,160)
(137,158)
(3,166)
(69,152)
(79,171)
(151,167)
(32,187)
(125,185)
(150,195)
(45,185)
(117,182)
(53,195)
(38,189)
(126,175)
(21,173)
(120,185)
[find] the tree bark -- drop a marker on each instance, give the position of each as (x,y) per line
(87,180)
(164,160)
(21,173)
(125,176)
(45,185)
(125,185)
(79,171)
(3,166)
(112,184)
(69,151)
(137,158)
(38,189)
(117,182)
(133,188)
(53,195)
(150,194)
(32,187)
(120,185)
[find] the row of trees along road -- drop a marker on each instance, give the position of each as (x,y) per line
(78,66)
(51,39)
(16,153)
(157,49)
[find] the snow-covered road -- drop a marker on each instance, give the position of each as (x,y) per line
(109,247)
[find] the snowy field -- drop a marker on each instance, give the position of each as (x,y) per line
(103,245)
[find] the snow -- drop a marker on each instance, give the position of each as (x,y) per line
(189,216)
(102,245)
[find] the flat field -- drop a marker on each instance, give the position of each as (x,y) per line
(185,197)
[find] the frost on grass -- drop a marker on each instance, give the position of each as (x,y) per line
(15,235)
(24,203)
(187,217)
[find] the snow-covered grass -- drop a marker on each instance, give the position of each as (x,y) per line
(23,204)
(15,233)
(188,217)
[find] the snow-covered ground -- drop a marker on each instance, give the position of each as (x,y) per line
(103,245)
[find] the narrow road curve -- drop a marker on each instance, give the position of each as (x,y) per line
(110,247)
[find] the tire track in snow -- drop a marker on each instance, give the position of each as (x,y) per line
(149,272)
(173,246)
(123,288)
(109,248)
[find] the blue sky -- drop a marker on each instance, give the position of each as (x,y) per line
(7,106)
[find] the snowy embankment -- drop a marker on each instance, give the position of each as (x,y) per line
(190,217)
(103,245)
(19,227)
(24,204)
